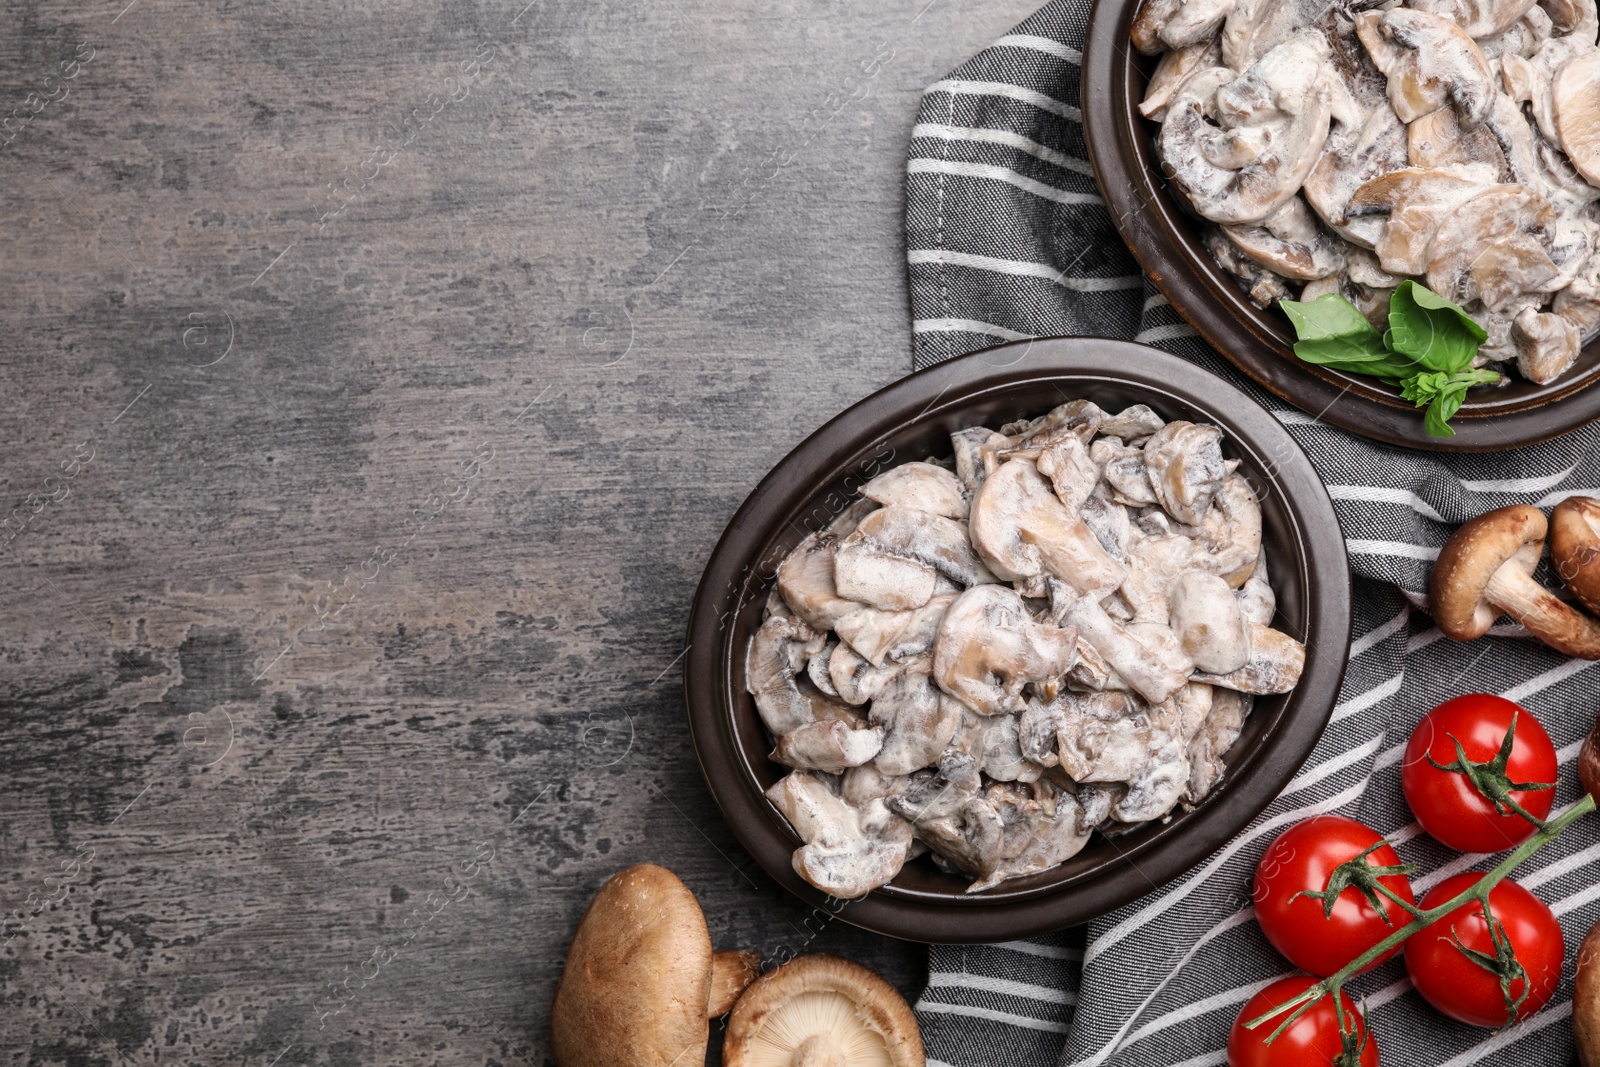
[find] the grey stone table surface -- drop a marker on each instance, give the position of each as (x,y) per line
(376,380)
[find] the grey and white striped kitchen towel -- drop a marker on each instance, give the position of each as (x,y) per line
(1007,238)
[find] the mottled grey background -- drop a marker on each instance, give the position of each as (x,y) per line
(376,380)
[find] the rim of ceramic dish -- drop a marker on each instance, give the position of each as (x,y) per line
(908,419)
(1164,238)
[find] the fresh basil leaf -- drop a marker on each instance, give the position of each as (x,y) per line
(1432,330)
(1421,388)
(1332,332)
(1443,408)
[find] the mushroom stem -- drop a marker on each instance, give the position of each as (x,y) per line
(1543,613)
(1586,999)
(731,972)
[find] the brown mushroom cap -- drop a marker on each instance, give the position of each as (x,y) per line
(638,984)
(1472,555)
(1586,1000)
(822,1010)
(1486,568)
(1575,547)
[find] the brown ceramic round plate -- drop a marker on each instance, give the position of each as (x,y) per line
(913,419)
(1165,240)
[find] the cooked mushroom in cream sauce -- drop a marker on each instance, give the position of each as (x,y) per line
(1343,147)
(988,659)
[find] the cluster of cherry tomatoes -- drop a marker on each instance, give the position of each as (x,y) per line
(1460,778)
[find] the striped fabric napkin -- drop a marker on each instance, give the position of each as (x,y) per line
(1007,238)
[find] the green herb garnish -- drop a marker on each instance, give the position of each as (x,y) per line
(1428,348)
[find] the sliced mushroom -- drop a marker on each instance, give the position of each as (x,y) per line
(1132,423)
(1237,172)
(1492,248)
(1575,18)
(805,579)
(1159,788)
(1231,530)
(1252,28)
(1076,418)
(1290,243)
(917,720)
(855,679)
(824,1011)
(1153,563)
(1429,61)
(989,648)
(860,786)
(934,541)
(1209,622)
(1264,287)
(1186,468)
(994,743)
(1546,344)
(1414,202)
(1043,828)
(1350,159)
(924,487)
(1575,111)
(1274,666)
(1071,472)
(866,573)
(817,668)
(1140,666)
(848,852)
(972,446)
(1221,729)
(889,636)
(1437,140)
(777,656)
(951,816)
(1477,18)
(1021,529)
(1167,24)
(831,745)
(1257,602)
(1170,72)
(641,982)
(1124,471)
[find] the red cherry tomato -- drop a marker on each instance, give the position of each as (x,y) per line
(1304,858)
(1314,1039)
(1457,986)
(1446,803)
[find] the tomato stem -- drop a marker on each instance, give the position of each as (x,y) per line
(1490,779)
(1302,1002)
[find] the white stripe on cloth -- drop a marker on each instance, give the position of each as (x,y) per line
(1385,494)
(1560,867)
(1025,990)
(1026,1021)
(1049,952)
(1000,174)
(966,326)
(1549,1017)
(1376,695)
(1361,546)
(1559,495)
(1164,333)
(1311,775)
(1200,1007)
(1379,634)
(1553,676)
(1002,137)
(1156,301)
(1519,485)
(1041,44)
(1023,270)
(1207,1059)
(957,87)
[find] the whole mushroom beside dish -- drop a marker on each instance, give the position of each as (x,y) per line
(1056,632)
(1344,148)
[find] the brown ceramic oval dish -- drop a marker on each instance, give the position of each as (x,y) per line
(912,419)
(1165,240)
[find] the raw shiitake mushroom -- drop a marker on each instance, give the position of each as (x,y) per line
(1586,1000)
(642,983)
(822,1011)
